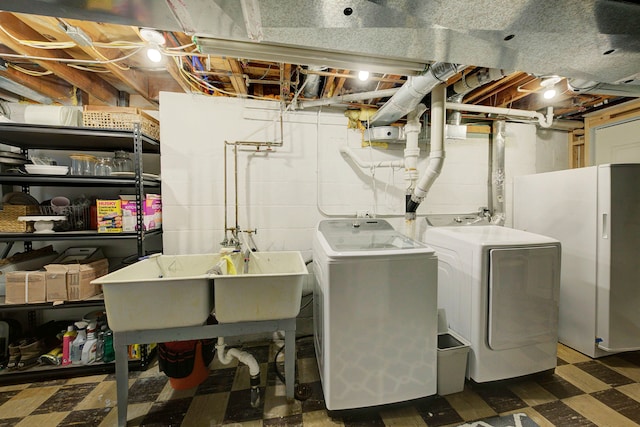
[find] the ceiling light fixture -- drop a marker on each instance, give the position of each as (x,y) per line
(548,84)
(308,56)
(363,76)
(152,36)
(154,54)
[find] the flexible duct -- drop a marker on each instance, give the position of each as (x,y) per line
(586,86)
(498,173)
(412,92)
(312,88)
(436,154)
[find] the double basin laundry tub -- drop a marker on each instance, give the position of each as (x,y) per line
(166,291)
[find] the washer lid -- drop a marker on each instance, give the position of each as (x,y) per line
(378,237)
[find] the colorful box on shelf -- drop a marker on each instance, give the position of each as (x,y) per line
(109,213)
(152,209)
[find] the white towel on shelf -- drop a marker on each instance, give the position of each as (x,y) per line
(55,115)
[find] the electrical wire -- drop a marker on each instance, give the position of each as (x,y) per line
(303,392)
(30,72)
(83,68)
(70,60)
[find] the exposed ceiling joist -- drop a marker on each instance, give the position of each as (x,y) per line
(87,82)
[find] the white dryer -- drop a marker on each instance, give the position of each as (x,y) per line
(375,314)
(500,290)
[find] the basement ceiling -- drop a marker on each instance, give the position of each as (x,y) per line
(90,51)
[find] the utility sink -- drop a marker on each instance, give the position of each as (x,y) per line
(166,291)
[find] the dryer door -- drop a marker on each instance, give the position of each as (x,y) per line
(524,285)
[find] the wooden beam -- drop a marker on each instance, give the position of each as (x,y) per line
(329,84)
(60,93)
(238,83)
(137,81)
(339,85)
(175,73)
(87,82)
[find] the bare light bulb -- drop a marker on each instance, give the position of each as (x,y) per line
(363,76)
(154,54)
(549,93)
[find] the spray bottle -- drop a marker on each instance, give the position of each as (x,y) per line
(78,343)
(67,340)
(89,348)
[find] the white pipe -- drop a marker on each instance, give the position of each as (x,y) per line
(242,356)
(544,121)
(436,154)
(346,151)
(412,151)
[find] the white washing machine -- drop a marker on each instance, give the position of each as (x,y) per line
(500,291)
(375,314)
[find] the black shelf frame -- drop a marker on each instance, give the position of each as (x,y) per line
(31,136)
(74,180)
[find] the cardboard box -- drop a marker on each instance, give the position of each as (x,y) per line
(152,211)
(26,287)
(109,215)
(72,282)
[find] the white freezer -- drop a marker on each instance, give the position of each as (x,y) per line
(595,213)
(499,288)
(375,314)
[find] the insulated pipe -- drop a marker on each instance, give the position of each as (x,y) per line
(348,152)
(349,98)
(436,154)
(412,92)
(544,121)
(498,173)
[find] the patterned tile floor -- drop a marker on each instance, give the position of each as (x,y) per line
(581,392)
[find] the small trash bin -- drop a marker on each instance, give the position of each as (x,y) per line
(452,363)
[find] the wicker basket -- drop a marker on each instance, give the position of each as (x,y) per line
(9,218)
(120,118)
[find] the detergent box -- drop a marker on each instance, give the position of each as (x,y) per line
(151,208)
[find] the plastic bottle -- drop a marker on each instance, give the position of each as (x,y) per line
(109,355)
(67,340)
(89,348)
(100,346)
(78,343)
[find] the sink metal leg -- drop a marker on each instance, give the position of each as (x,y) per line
(122,378)
(290,362)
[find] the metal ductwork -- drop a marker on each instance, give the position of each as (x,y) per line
(412,92)
(584,86)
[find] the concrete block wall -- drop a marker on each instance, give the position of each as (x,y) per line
(285,192)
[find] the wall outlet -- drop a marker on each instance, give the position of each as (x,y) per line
(363,214)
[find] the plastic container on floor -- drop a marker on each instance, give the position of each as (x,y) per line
(452,363)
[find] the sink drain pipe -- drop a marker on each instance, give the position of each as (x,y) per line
(247,359)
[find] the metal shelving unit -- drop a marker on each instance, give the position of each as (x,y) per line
(29,136)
